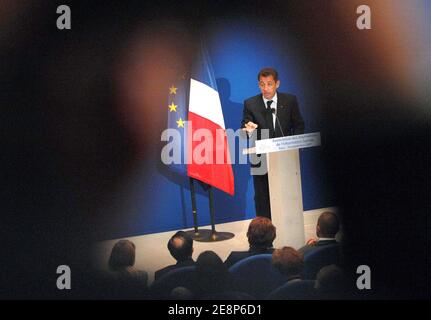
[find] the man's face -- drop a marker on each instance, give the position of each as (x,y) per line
(268,86)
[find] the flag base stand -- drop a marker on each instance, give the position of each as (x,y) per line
(206,235)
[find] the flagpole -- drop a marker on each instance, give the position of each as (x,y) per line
(211,196)
(195,213)
(205,235)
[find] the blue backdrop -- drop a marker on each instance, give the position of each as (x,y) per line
(156,199)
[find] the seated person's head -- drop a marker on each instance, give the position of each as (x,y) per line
(209,262)
(122,255)
(331,279)
(288,261)
(261,232)
(181,246)
(327,225)
(212,274)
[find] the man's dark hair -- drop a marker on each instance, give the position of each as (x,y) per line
(122,255)
(328,224)
(212,274)
(180,246)
(261,232)
(331,279)
(288,261)
(266,72)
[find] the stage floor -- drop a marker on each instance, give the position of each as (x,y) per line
(152,253)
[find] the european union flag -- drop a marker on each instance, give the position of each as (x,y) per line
(177,116)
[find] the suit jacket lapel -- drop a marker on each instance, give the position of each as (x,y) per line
(281,115)
(277,131)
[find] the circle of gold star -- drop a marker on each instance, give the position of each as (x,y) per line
(173,107)
(173,90)
(180,123)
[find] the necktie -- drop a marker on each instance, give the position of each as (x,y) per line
(268,104)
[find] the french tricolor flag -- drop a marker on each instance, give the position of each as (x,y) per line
(209,159)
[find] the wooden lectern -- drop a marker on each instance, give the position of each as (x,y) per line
(284,177)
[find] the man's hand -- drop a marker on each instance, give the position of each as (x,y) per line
(249,127)
(311,242)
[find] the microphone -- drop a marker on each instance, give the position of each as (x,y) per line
(278,121)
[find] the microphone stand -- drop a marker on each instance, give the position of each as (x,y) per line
(278,121)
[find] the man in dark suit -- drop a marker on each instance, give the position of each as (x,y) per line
(270,114)
(326,229)
(180,245)
(261,234)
